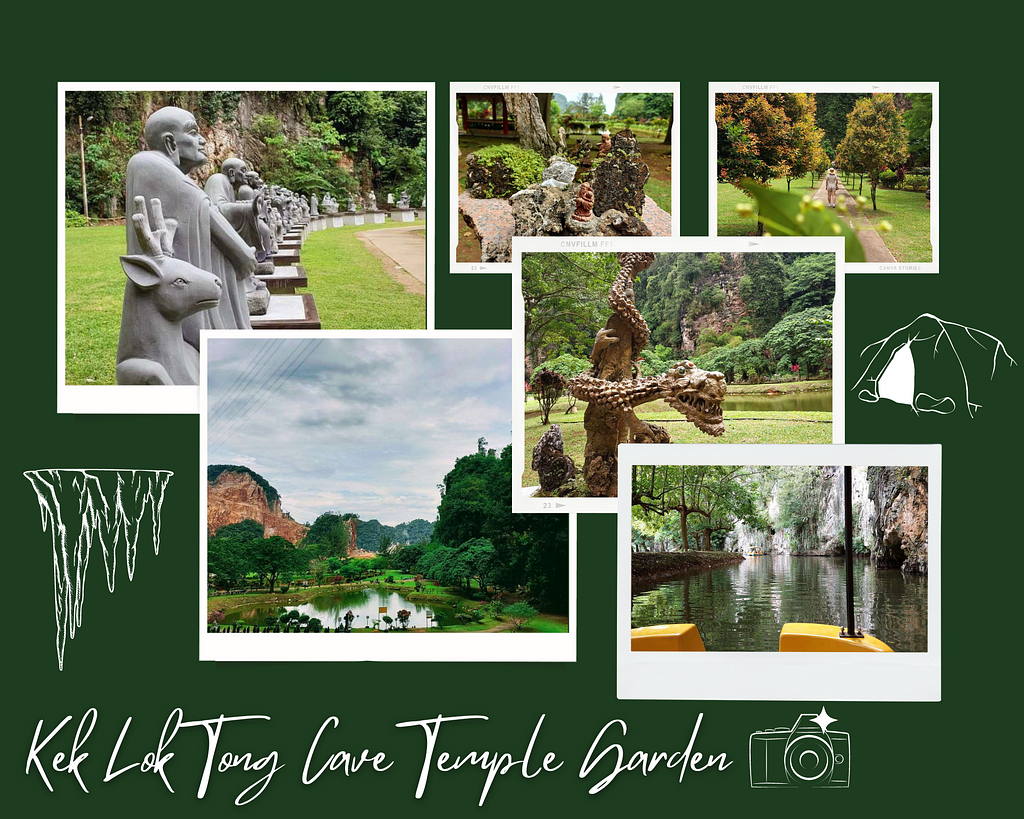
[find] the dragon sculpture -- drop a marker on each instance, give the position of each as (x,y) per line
(613,387)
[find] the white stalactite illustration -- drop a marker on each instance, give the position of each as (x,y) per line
(83,506)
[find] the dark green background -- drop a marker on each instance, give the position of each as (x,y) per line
(136,652)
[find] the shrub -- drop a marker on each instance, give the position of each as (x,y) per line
(519,614)
(916,182)
(72,218)
(887,179)
(283,589)
(549,386)
(525,167)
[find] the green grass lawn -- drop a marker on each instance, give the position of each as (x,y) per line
(352,290)
(910,238)
(94,288)
(351,287)
(906,211)
(776,428)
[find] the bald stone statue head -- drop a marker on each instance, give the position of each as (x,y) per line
(175,132)
(235,170)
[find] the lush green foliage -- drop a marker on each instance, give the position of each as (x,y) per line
(643,106)
(679,507)
(478,538)
(526,167)
(296,139)
(519,614)
(213,471)
(328,535)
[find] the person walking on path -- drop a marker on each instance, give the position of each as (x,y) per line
(831,186)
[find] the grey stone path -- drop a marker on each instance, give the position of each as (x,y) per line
(875,250)
(408,250)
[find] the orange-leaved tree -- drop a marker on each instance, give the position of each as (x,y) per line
(876,138)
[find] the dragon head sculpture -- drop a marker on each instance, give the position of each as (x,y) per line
(697,394)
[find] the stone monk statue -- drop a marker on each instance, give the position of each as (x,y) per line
(223,189)
(202,236)
(314,206)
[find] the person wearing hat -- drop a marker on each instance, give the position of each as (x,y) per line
(831,186)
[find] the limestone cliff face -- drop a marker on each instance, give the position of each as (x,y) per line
(890,507)
(725,315)
(900,529)
(235,497)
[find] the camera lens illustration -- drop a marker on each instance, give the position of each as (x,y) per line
(806,755)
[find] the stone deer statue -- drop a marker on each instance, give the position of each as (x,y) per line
(160,292)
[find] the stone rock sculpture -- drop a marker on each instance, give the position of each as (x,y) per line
(619,180)
(351,205)
(605,146)
(613,386)
(559,173)
(562,146)
(371,198)
(584,204)
(201,234)
(555,468)
(391,199)
(160,293)
(314,206)
(403,200)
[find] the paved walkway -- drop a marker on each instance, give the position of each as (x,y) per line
(875,250)
(408,250)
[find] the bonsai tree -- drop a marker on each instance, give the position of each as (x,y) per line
(314,624)
(549,387)
(403,618)
(519,614)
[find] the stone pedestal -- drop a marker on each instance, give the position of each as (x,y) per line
(421,213)
(403,216)
(352,218)
(284,258)
(374,217)
(285,279)
(289,313)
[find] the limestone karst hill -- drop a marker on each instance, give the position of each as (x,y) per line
(236,493)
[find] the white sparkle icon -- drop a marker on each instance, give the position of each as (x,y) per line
(823,719)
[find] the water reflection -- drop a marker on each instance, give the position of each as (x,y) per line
(817,401)
(331,607)
(743,607)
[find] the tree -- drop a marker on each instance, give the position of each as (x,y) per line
(918,121)
(533,132)
(810,281)
(519,614)
(565,295)
(403,618)
(226,559)
(876,138)
(797,339)
(830,113)
(328,536)
(763,287)
(242,531)
(274,556)
(548,386)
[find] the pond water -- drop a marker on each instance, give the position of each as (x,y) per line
(331,607)
(742,607)
(816,401)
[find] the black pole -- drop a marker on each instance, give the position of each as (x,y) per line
(851,628)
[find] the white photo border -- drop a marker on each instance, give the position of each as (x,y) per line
(660,244)
(453,647)
(896,677)
(116,398)
(835,87)
(543,87)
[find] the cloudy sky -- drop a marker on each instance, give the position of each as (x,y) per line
(369,426)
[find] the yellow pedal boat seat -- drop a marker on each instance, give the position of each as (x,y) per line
(819,637)
(674,637)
